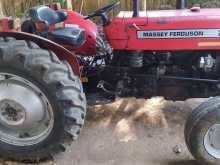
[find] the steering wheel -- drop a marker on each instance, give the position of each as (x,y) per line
(103,12)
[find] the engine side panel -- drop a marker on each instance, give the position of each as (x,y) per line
(166,30)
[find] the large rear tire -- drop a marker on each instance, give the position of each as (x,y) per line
(202,132)
(42,104)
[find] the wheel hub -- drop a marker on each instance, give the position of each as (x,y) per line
(212,141)
(11,113)
(26,116)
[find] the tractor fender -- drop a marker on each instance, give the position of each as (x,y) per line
(61,52)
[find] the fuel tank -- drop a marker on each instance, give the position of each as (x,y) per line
(89,47)
(188,29)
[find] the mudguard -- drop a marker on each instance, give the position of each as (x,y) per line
(61,52)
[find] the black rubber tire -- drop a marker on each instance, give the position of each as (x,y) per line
(197,125)
(62,88)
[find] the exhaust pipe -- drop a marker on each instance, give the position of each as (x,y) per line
(136,8)
(180,4)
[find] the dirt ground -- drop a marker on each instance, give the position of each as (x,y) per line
(131,132)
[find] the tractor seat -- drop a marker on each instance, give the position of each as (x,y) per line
(47,15)
(74,36)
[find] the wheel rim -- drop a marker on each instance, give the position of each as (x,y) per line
(212,141)
(26,116)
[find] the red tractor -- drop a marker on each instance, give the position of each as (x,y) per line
(171,53)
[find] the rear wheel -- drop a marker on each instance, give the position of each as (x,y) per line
(42,104)
(202,132)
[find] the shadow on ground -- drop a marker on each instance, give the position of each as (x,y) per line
(132,132)
(181,162)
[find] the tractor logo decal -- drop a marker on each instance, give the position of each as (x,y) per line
(178,34)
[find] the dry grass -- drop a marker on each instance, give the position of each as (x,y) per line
(17,7)
(126,114)
(149,112)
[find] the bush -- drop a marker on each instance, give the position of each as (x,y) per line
(208,3)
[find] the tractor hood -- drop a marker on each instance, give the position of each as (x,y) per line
(188,29)
(194,17)
(172,19)
(195,11)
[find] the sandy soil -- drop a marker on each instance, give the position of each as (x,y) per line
(131,132)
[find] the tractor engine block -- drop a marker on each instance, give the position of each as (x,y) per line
(173,74)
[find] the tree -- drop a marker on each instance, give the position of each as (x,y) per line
(1,9)
(144,5)
(69,4)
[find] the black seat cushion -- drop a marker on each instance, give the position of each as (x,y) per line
(46,14)
(70,35)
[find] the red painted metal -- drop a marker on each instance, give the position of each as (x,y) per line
(7,24)
(74,18)
(122,31)
(60,51)
(89,47)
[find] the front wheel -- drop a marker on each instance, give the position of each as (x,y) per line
(42,104)
(202,132)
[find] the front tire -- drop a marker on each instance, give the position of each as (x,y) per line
(42,104)
(202,132)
